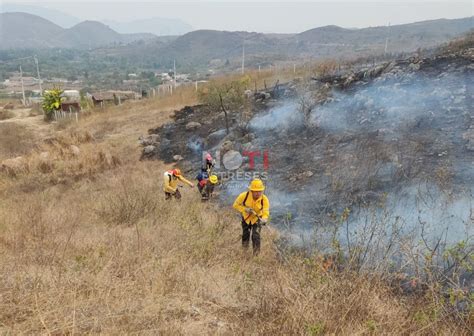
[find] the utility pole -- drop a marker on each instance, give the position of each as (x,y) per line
(386,40)
(294,68)
(22,87)
(243,58)
(39,77)
(174,73)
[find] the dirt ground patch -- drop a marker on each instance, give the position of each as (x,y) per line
(15,140)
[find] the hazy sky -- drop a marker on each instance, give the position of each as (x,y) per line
(264,16)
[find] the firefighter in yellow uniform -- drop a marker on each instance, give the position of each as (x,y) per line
(254,207)
(170,183)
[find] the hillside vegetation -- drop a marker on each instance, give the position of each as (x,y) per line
(88,245)
(25,31)
(203,49)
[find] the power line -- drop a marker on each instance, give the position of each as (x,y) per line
(35,59)
(18,59)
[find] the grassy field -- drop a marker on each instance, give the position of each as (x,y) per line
(88,245)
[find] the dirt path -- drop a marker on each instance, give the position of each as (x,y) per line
(39,128)
(118,126)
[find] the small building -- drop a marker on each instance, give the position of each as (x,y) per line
(71,101)
(70,106)
(71,95)
(131,81)
(113,97)
(165,76)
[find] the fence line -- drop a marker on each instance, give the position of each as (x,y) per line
(63,115)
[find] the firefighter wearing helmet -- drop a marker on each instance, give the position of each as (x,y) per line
(170,183)
(208,187)
(254,208)
(208,163)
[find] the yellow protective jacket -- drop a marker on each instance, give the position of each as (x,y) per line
(261,206)
(170,182)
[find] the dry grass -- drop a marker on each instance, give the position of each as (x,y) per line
(268,78)
(111,256)
(120,126)
(6,114)
(88,245)
(15,140)
(5,101)
(462,43)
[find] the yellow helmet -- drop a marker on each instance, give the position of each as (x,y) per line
(213,179)
(256,185)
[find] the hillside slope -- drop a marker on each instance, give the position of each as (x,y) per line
(27,31)
(205,47)
(58,17)
(21,30)
(423,33)
(88,245)
(89,34)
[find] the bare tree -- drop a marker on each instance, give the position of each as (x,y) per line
(228,97)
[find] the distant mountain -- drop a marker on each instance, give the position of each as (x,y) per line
(61,19)
(203,48)
(326,34)
(22,30)
(218,49)
(406,37)
(90,34)
(209,44)
(157,26)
